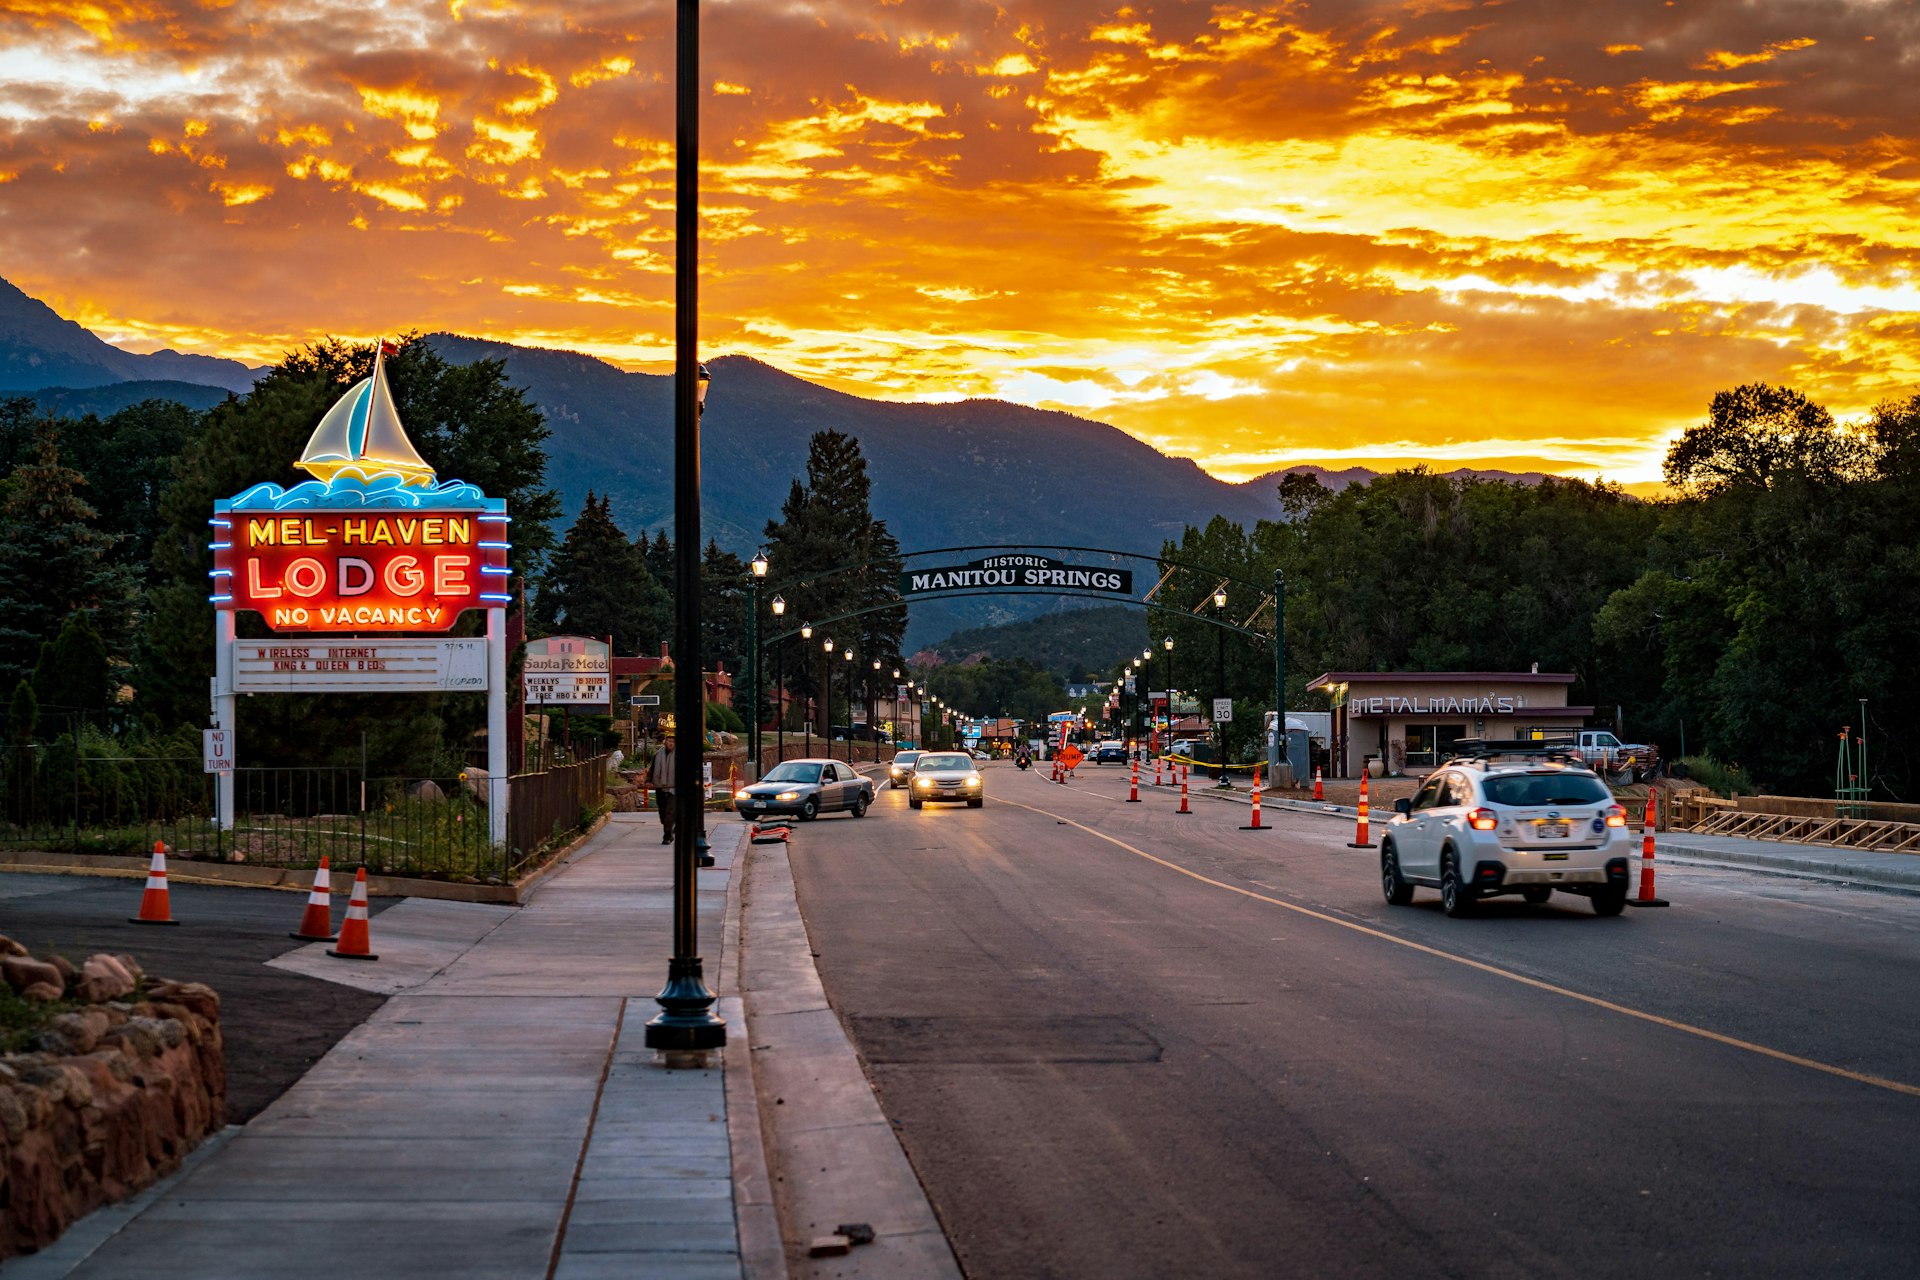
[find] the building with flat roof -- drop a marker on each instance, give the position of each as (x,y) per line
(1411,719)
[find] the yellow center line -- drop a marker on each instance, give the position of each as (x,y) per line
(1878,1082)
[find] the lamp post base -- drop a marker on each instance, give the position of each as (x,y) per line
(686,1022)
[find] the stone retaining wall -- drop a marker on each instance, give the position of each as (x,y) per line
(110,1095)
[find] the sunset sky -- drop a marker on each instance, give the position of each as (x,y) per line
(1526,234)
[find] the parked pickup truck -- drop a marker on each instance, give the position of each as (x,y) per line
(1608,755)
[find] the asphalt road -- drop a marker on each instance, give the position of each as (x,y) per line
(1202,1051)
(274,1025)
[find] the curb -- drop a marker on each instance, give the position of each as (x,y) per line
(1885,879)
(763,1255)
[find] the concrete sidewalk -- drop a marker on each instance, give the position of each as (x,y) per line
(500,1115)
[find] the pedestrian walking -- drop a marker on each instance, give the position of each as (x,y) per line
(660,775)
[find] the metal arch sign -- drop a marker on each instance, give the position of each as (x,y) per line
(1015,571)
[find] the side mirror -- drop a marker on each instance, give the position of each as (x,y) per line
(1403,806)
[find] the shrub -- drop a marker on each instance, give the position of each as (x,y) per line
(1723,779)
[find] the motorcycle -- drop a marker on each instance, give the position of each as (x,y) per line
(1021,762)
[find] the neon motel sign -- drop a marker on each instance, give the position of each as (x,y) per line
(372,544)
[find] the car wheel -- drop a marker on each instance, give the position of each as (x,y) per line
(860,806)
(1610,900)
(1456,898)
(1536,894)
(810,809)
(1397,891)
(975,804)
(913,802)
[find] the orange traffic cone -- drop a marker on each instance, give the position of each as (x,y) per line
(1647,897)
(356,943)
(317,924)
(155,906)
(1156,771)
(1319,792)
(1360,840)
(1255,824)
(1183,794)
(1133,787)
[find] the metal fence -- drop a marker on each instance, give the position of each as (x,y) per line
(54,800)
(544,807)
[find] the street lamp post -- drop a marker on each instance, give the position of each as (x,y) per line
(848,655)
(1146,674)
(686,1023)
(826,695)
(779,606)
(1219,687)
(1168,642)
(1279,679)
(759,566)
(806,633)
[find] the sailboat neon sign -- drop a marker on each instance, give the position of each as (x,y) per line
(372,543)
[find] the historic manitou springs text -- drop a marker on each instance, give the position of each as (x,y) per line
(360,570)
(1017,571)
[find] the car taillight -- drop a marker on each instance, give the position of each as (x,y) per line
(1616,816)
(1483,819)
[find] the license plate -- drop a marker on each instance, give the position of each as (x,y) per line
(948,791)
(1552,830)
(755,804)
(1553,857)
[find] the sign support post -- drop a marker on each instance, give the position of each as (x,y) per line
(497,784)
(223,710)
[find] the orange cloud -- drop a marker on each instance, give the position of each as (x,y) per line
(1250,233)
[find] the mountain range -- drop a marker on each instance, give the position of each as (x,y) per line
(976,472)
(40,349)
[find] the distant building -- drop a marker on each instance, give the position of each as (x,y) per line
(1411,719)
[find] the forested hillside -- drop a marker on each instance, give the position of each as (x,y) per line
(1746,616)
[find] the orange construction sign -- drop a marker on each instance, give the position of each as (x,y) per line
(1071,756)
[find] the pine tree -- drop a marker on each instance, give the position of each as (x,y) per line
(826,524)
(723,612)
(74,679)
(659,553)
(57,560)
(597,584)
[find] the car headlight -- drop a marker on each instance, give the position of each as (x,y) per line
(923,782)
(742,795)
(973,779)
(897,771)
(788,795)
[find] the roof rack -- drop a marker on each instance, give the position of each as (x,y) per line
(1558,747)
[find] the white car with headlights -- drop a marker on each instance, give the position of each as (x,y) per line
(945,777)
(805,789)
(900,772)
(1508,820)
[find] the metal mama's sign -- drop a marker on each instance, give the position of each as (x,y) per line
(1016,571)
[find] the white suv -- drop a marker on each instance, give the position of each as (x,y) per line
(1495,824)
